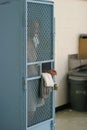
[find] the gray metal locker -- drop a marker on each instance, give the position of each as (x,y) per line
(26,49)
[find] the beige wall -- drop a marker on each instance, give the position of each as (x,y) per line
(71,20)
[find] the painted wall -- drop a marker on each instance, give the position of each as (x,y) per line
(71,20)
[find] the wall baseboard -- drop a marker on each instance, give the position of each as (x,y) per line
(65,106)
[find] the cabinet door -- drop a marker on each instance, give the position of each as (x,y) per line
(39,49)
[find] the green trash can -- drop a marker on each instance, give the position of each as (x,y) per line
(78,92)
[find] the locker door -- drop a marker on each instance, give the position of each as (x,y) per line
(39,53)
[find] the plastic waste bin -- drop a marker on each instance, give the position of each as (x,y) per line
(77,85)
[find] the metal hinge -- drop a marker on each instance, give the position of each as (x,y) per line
(23,20)
(24,83)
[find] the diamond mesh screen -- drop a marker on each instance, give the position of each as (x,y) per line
(33,70)
(39,32)
(38,110)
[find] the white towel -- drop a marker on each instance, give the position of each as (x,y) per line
(46,84)
(48,80)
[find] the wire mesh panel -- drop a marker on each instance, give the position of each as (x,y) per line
(38,109)
(33,70)
(39,32)
(39,48)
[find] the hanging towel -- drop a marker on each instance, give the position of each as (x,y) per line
(46,83)
(48,80)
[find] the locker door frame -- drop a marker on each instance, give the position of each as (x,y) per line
(51,121)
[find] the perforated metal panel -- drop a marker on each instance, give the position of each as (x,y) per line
(39,31)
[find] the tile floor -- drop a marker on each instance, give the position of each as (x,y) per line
(71,120)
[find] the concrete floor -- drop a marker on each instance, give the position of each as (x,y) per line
(71,120)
